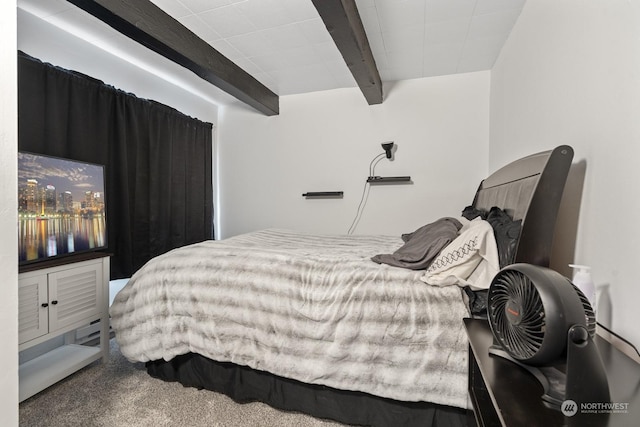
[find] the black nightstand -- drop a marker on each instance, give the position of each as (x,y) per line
(505,394)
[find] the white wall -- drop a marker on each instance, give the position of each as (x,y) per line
(8,216)
(324,141)
(570,74)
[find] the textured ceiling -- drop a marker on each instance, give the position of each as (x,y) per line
(285,45)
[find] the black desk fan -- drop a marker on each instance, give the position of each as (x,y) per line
(544,323)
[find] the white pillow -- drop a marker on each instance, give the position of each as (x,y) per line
(470,260)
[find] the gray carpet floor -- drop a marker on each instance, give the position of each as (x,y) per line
(121,393)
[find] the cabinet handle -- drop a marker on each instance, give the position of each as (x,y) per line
(54,302)
(45,305)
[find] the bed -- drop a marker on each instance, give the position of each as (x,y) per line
(316,324)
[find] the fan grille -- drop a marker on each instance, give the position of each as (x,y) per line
(517,314)
(589,314)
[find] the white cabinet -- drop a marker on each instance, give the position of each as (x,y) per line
(32,299)
(56,301)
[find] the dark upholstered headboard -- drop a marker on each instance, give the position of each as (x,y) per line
(530,189)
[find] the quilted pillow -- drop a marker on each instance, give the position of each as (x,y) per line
(470,260)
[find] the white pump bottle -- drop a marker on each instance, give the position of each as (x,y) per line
(582,279)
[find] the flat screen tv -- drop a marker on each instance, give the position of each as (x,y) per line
(61,207)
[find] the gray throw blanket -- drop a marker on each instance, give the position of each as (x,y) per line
(423,245)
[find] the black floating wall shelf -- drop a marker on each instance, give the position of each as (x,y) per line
(323,195)
(388,179)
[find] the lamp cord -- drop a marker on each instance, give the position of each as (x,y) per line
(619,337)
(365,193)
(363,203)
(372,166)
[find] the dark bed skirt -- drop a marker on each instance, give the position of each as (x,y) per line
(244,384)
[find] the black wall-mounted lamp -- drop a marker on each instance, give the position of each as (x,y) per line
(389,148)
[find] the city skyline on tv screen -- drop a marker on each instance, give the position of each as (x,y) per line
(61,207)
(63,174)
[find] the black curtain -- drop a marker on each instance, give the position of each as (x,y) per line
(158,161)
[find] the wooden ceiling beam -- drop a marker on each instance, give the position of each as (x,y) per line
(343,22)
(150,26)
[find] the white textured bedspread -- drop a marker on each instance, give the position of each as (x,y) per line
(307,307)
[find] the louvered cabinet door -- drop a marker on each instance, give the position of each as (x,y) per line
(33,314)
(74,295)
